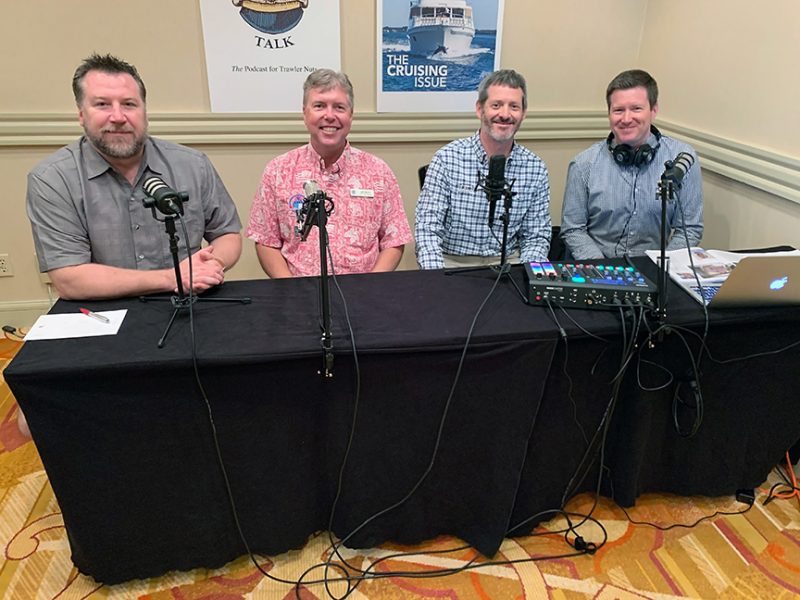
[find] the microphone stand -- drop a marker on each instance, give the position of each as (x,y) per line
(505,217)
(507,195)
(666,192)
(317,210)
(181,301)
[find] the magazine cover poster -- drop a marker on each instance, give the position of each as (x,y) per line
(432,54)
(259,52)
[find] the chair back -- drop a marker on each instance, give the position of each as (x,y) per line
(557,248)
(421,173)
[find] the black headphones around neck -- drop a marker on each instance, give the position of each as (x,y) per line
(626,155)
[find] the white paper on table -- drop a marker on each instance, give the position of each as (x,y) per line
(74,325)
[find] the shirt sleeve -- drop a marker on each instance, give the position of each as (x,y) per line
(575,214)
(536,228)
(394,230)
(431,214)
(219,209)
(263,227)
(688,216)
(59,234)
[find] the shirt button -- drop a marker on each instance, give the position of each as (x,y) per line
(136,227)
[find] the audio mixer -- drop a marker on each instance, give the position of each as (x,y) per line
(597,284)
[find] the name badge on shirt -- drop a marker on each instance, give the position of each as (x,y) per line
(361,193)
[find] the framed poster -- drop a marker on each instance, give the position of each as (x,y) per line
(432,54)
(259,52)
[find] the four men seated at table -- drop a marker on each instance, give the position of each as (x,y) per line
(96,238)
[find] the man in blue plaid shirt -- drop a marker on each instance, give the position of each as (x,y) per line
(452,216)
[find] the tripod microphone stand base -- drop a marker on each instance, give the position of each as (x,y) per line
(503,268)
(180,304)
(181,300)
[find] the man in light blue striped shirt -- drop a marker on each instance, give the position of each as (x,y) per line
(452,215)
(611,201)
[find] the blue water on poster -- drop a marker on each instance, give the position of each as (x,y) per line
(464,73)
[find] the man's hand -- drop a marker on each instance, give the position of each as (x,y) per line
(207,270)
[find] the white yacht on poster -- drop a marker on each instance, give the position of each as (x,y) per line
(440,27)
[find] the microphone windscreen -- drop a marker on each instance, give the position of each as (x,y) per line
(675,170)
(684,160)
(310,188)
(152,184)
(497,170)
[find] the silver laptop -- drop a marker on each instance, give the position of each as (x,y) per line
(755,281)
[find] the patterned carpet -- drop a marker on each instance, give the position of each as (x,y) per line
(753,555)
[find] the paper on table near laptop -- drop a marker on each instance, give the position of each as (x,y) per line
(74,325)
(711,266)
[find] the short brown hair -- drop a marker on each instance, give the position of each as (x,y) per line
(631,79)
(106,64)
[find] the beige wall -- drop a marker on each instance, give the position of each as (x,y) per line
(704,54)
(728,68)
(545,39)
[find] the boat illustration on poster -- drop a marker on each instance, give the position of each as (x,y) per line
(443,27)
(432,54)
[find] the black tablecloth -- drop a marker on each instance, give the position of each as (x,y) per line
(124,434)
(125,438)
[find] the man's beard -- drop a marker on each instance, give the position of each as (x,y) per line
(497,136)
(118,149)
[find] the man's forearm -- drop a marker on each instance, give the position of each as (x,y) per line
(272,262)
(580,244)
(388,259)
(228,249)
(94,281)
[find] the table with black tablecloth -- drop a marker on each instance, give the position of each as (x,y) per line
(125,438)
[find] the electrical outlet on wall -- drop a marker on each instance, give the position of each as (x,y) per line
(5,266)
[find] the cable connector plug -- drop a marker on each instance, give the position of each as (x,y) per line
(746,497)
(581,545)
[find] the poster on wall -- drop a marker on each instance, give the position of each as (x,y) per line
(432,54)
(259,52)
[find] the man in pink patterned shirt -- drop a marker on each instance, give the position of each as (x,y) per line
(368,227)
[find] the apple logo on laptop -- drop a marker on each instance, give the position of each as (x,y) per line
(779,284)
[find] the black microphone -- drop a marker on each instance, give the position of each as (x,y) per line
(307,211)
(676,170)
(495,182)
(166,199)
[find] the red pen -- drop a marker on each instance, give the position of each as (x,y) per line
(94,315)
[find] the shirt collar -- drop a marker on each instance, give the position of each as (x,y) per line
(96,164)
(337,168)
(480,151)
(651,141)
(153,160)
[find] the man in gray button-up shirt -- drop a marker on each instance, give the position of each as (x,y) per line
(93,234)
